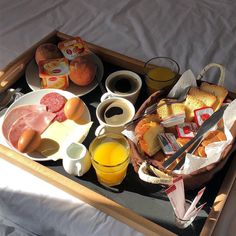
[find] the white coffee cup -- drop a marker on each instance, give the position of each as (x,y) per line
(112,114)
(76,159)
(123,83)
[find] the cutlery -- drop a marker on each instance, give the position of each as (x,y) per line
(169,100)
(7,97)
(206,126)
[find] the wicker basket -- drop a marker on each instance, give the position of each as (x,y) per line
(201,176)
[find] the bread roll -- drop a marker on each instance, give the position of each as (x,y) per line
(47,51)
(146,132)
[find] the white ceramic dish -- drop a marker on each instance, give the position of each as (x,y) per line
(34,98)
(33,80)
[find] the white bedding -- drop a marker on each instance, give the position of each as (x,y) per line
(194,33)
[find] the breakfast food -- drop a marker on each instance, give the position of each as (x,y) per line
(47,51)
(219,91)
(53,101)
(167,111)
(82,70)
(207,98)
(54,73)
(29,141)
(41,129)
(74,108)
(212,137)
(191,103)
(38,121)
(146,132)
(173,125)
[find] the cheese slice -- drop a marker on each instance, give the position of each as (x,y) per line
(58,134)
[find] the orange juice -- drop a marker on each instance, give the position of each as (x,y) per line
(110,160)
(159,78)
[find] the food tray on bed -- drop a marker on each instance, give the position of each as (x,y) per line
(142,206)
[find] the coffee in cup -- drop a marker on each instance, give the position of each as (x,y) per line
(113,113)
(123,83)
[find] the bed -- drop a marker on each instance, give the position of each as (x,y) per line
(194,33)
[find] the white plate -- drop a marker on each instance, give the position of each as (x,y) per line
(33,80)
(34,98)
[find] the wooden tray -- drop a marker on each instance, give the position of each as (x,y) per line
(55,176)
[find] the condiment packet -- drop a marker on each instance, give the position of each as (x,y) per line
(202,114)
(173,120)
(176,196)
(179,184)
(171,193)
(54,73)
(73,48)
(187,130)
(168,143)
(194,203)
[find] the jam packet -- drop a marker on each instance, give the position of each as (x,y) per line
(186,130)
(202,114)
(73,48)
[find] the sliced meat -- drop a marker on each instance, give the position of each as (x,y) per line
(36,120)
(16,113)
(53,101)
(60,116)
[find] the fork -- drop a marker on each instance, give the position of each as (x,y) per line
(169,100)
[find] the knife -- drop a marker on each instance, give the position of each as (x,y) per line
(207,125)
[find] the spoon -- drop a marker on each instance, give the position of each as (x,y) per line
(7,97)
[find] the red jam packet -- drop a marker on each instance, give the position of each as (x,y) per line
(187,130)
(202,114)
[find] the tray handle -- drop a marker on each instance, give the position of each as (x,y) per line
(221,79)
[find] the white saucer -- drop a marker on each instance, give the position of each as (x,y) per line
(33,80)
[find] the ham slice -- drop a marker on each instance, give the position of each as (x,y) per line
(16,113)
(36,120)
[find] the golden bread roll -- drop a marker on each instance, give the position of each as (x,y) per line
(182,141)
(192,103)
(219,91)
(214,136)
(146,132)
(208,98)
(166,111)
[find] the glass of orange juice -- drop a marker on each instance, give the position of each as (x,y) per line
(110,158)
(160,73)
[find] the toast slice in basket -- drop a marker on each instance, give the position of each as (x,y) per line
(219,91)
(208,98)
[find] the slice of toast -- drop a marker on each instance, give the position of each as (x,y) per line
(219,91)
(208,98)
(167,111)
(191,103)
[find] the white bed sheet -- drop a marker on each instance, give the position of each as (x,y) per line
(194,33)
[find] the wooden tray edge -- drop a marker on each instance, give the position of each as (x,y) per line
(100,202)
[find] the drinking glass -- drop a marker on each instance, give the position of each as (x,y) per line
(160,73)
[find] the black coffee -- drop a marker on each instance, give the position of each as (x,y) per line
(123,84)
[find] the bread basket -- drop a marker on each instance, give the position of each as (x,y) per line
(201,176)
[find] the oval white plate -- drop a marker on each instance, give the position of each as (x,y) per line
(33,80)
(34,98)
